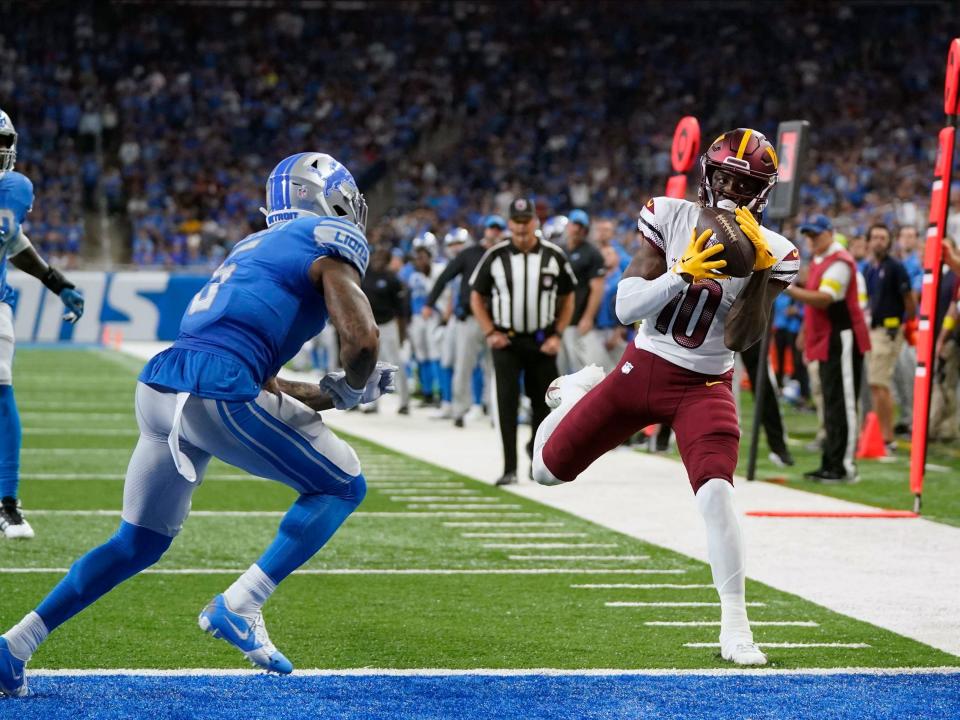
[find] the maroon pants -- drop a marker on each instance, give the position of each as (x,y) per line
(645,389)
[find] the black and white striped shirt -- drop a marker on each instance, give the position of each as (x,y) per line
(523,287)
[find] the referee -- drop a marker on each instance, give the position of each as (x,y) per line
(522,298)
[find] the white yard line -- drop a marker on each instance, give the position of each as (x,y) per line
(716,623)
(362,571)
(267,513)
(504,524)
(441,506)
(674,604)
(492,535)
(547,546)
(443,498)
(412,491)
(496,672)
(578,557)
(849,646)
(642,586)
(79,430)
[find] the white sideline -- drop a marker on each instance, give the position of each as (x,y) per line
(498,672)
(789,646)
(893,573)
(270,513)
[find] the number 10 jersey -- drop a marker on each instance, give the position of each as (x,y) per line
(688,330)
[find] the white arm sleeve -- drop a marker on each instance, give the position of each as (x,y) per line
(638,298)
(20,243)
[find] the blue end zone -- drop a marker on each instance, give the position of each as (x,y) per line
(687,697)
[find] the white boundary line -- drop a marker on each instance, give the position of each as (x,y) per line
(499,672)
(442,499)
(441,506)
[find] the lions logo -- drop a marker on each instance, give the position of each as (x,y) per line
(336,179)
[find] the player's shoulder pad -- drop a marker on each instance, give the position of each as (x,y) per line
(656,217)
(20,185)
(342,239)
(788,257)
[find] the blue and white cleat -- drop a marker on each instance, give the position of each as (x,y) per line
(249,635)
(13,678)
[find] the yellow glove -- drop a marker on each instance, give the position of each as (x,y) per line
(751,228)
(696,264)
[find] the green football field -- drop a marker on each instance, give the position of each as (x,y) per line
(435,570)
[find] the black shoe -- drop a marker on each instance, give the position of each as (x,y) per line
(901,428)
(12,523)
(428,401)
(458,422)
(814,474)
(404,410)
(509,478)
(835,477)
(782,458)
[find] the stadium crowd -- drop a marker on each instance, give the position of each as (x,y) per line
(168,121)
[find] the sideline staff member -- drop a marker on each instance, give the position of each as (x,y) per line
(522,298)
(835,335)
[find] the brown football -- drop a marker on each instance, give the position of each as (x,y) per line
(738,251)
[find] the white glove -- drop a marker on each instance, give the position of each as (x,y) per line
(345,396)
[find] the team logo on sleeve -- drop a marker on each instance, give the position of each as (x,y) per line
(649,205)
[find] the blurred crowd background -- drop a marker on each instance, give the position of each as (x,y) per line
(148,129)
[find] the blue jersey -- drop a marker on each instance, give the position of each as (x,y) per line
(420,286)
(256,311)
(16,200)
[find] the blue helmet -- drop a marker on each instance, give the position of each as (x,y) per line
(427,241)
(316,184)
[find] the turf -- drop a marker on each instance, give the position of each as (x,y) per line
(357,611)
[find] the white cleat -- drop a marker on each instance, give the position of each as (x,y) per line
(12,523)
(568,389)
(743,653)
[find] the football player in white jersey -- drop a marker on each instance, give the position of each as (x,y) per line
(679,369)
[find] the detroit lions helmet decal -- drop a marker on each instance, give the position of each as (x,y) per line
(8,143)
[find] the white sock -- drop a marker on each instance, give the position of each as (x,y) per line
(726,555)
(25,637)
(250,591)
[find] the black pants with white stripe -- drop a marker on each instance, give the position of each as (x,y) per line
(539,370)
(840,376)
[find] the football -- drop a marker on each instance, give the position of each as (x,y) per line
(738,251)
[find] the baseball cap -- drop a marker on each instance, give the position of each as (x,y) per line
(495,221)
(580,218)
(521,209)
(816,224)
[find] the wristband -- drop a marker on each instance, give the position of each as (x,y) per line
(55,281)
(949,323)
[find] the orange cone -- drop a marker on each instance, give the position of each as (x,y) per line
(871,439)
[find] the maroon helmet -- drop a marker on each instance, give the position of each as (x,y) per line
(749,157)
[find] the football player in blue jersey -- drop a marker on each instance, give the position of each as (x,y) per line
(215,393)
(16,200)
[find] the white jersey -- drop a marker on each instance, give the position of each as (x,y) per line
(688,330)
